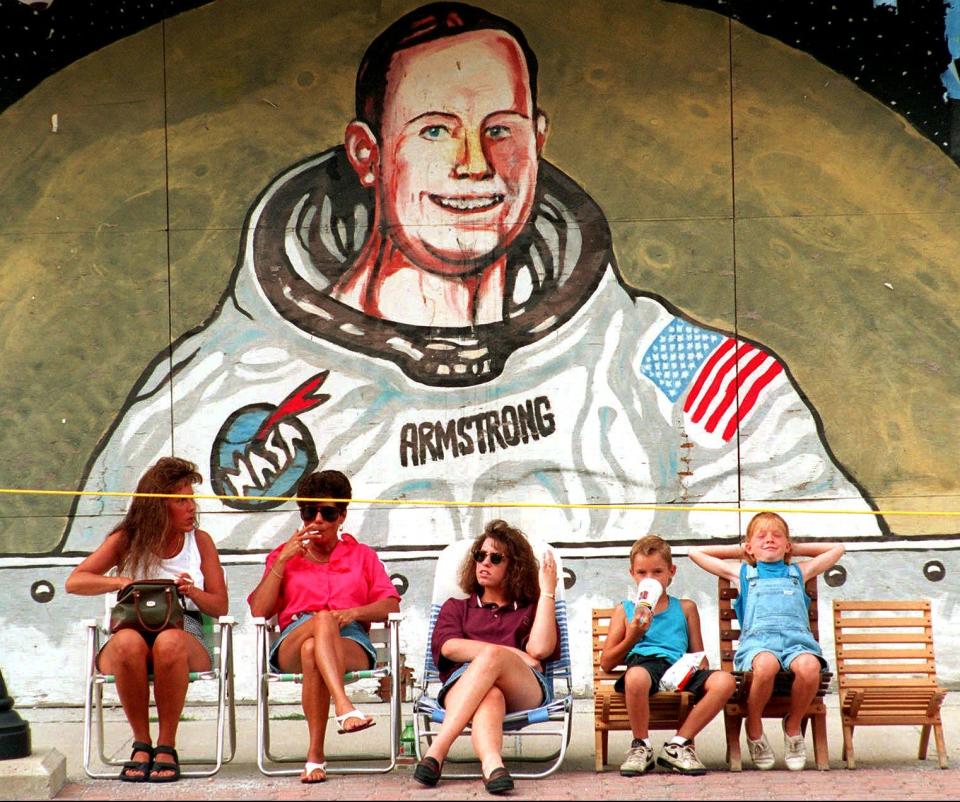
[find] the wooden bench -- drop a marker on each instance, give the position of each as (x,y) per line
(668,710)
(735,711)
(886,670)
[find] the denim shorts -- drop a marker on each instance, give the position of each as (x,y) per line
(545,697)
(785,645)
(353,631)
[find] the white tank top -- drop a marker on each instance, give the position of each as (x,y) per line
(187,560)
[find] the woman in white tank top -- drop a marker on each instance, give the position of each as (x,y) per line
(157,539)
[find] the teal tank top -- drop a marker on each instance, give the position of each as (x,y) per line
(667,636)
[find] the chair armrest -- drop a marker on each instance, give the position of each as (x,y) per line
(259,621)
(227,621)
(90,623)
(391,617)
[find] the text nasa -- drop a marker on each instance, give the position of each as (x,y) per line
(483,432)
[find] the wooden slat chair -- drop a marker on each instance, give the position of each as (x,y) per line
(735,711)
(668,710)
(886,670)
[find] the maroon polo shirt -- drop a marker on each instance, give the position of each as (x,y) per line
(469,618)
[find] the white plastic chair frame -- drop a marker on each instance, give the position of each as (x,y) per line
(220,672)
(385,636)
(532,723)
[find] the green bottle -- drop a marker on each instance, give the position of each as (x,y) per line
(407,746)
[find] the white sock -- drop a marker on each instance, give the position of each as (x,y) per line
(679,740)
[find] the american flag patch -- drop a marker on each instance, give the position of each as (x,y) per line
(728,385)
(676,354)
(725,377)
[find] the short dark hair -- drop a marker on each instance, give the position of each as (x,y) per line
(325,484)
(426,24)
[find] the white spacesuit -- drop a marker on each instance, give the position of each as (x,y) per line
(585,393)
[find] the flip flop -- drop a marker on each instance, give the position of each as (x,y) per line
(165,765)
(309,768)
(137,765)
(355,713)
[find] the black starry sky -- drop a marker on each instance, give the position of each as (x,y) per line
(895,52)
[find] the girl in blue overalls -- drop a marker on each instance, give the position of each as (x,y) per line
(774,628)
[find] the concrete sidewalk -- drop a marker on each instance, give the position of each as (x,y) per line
(887,766)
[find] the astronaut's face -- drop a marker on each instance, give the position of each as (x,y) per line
(460,141)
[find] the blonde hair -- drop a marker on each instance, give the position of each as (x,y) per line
(651,544)
(759,518)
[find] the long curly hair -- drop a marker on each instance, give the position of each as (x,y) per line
(145,524)
(522,581)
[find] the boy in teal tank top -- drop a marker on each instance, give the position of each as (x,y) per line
(648,643)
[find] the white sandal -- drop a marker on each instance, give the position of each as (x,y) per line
(355,713)
(309,768)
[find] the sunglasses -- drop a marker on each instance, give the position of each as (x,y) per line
(309,511)
(480,555)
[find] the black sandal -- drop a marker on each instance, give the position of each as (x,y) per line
(427,772)
(499,781)
(137,765)
(165,765)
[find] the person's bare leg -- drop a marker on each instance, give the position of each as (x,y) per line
(175,654)
(719,687)
(125,656)
(806,681)
(486,731)
(493,666)
(335,655)
(765,667)
(315,699)
(636,693)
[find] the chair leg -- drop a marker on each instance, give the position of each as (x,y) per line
(820,750)
(924,742)
(848,746)
(732,724)
(599,750)
(941,745)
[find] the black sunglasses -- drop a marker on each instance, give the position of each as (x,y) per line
(480,555)
(309,511)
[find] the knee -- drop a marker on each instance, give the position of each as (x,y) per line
(765,666)
(489,653)
(308,660)
(806,667)
(495,698)
(128,648)
(169,647)
(721,682)
(637,681)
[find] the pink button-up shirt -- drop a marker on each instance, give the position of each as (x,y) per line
(353,577)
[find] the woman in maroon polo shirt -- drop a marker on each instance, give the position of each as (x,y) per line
(489,648)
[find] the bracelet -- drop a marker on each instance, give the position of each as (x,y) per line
(278,576)
(549,596)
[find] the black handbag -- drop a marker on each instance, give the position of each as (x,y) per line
(148,606)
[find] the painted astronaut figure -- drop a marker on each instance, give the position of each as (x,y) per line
(437,311)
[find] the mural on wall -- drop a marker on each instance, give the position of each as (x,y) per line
(457,297)
(458,312)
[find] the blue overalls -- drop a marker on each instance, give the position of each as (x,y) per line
(775,619)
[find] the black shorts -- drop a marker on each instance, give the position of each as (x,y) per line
(656,667)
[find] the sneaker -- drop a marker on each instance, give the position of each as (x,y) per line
(794,750)
(760,753)
(681,759)
(639,760)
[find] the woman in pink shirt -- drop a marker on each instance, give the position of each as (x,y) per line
(325,588)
